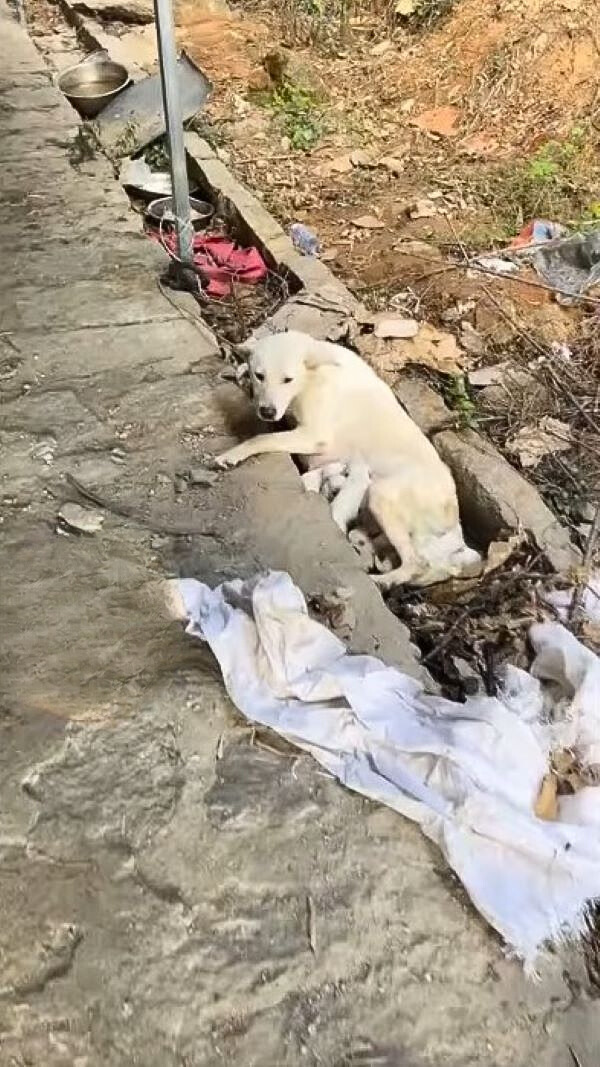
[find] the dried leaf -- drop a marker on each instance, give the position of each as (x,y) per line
(546,805)
(437,350)
(500,551)
(440,120)
(381,48)
(428,347)
(480,144)
(368,222)
(532,443)
(339,165)
(396,327)
(392,164)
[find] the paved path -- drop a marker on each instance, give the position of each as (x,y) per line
(153,899)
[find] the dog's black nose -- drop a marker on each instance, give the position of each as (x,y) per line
(267,412)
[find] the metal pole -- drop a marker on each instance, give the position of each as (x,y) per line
(167,55)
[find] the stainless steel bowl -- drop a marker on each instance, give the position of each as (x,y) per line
(161,211)
(92,84)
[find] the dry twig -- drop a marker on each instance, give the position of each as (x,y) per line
(579,590)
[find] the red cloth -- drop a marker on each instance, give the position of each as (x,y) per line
(221,262)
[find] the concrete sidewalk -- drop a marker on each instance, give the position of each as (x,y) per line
(156,865)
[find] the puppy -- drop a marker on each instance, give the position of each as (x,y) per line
(345,414)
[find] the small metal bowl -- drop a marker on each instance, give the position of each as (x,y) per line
(91,85)
(160,212)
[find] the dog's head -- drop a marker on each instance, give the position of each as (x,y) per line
(278,367)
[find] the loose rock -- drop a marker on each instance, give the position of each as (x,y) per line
(83,520)
(202,476)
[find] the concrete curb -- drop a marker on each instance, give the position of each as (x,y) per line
(494,498)
(254,222)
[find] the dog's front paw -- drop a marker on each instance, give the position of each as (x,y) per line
(223,462)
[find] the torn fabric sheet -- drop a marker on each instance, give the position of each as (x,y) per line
(469,774)
(220,262)
(562,599)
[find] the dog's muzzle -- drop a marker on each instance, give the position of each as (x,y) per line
(267,412)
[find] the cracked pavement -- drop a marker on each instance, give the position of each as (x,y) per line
(157,861)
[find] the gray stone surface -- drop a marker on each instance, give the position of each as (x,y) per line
(134,12)
(423,404)
(494,497)
(156,858)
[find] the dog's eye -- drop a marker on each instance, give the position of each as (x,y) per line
(286,381)
(259,376)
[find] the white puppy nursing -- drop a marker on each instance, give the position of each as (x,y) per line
(345,415)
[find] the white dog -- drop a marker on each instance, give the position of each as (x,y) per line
(345,414)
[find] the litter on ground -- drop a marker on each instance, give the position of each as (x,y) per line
(469,774)
(571,266)
(538,231)
(304,239)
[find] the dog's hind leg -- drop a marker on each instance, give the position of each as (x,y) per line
(347,503)
(388,507)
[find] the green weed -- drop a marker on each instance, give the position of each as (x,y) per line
(300,115)
(157,155)
(459,399)
(560,182)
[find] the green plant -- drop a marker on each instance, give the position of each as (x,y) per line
(543,169)
(560,182)
(300,114)
(157,154)
(458,397)
(554,161)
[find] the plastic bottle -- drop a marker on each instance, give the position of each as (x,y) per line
(304,239)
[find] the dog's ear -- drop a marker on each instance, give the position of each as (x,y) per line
(321,356)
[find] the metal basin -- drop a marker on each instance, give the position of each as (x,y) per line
(160,212)
(92,84)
